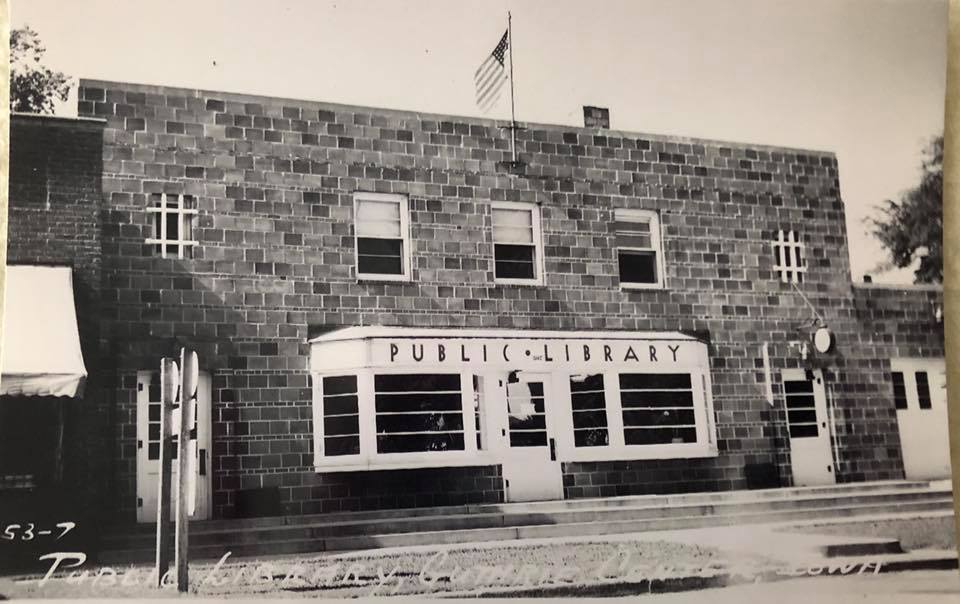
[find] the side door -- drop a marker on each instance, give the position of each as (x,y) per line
(811,454)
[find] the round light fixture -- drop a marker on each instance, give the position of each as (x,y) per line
(823,340)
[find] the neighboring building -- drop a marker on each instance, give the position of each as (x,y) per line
(390,313)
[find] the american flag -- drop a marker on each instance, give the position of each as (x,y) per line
(491,75)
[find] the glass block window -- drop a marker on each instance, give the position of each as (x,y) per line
(639,249)
(382,245)
(589,406)
(658,408)
(789,260)
(341,416)
(801,408)
(418,412)
(173,218)
(517,243)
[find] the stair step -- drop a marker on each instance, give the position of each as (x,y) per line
(317,530)
(264,547)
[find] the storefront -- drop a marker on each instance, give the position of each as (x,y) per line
(392,398)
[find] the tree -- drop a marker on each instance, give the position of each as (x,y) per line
(33,87)
(912,227)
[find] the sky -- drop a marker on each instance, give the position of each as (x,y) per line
(862,78)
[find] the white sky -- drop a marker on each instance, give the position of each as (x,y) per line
(862,78)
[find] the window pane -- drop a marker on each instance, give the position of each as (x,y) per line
(923,390)
(513,226)
(341,425)
(637,267)
(657,408)
(588,401)
(418,412)
(514,262)
(801,408)
(634,240)
(899,391)
(527,418)
(386,211)
(380,256)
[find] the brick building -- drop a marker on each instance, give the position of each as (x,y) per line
(390,313)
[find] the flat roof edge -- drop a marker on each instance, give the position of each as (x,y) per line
(56,119)
(926,287)
(247,97)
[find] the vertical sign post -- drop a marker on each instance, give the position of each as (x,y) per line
(189,374)
(169,389)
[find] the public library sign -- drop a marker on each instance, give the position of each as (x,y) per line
(451,348)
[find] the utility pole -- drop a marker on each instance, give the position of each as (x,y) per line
(169,390)
(189,375)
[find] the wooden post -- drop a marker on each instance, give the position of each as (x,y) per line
(169,389)
(189,375)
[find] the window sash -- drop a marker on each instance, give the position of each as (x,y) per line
(789,255)
(517,243)
(639,248)
(381,236)
(172,217)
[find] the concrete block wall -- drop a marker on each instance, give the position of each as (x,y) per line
(55,201)
(274,180)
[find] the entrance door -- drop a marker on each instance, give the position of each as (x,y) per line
(920,396)
(148,448)
(530,469)
(811,456)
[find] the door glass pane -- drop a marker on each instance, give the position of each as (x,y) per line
(525,406)
(801,408)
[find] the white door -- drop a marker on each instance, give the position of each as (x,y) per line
(811,456)
(530,469)
(920,396)
(148,448)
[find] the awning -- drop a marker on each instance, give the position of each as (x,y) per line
(40,353)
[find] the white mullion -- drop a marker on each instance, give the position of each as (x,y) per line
(614,408)
(366,409)
(163,225)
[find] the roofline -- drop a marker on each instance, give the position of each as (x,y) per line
(911,287)
(245,97)
(57,119)
(368,332)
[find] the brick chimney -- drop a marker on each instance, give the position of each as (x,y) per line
(596,117)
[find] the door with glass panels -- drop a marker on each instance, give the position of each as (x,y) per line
(531,471)
(811,455)
(148,447)
(920,397)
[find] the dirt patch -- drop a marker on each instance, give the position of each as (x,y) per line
(422,572)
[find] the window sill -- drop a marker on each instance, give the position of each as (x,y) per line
(407,461)
(639,452)
(383,279)
(520,282)
(641,286)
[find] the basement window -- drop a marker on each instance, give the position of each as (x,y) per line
(790,262)
(517,243)
(173,218)
(382,241)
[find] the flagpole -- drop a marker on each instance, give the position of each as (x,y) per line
(513,117)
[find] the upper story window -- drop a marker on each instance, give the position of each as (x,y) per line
(173,217)
(382,240)
(789,259)
(517,243)
(639,249)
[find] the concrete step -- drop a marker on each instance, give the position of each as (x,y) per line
(542,506)
(312,529)
(261,543)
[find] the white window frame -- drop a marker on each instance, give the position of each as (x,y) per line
(181,214)
(790,244)
(538,261)
(656,241)
(369,458)
(404,235)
